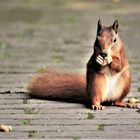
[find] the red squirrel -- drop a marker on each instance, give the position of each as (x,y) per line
(108,76)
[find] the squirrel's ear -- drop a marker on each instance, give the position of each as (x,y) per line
(99,26)
(115,26)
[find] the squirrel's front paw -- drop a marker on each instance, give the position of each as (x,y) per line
(98,107)
(108,59)
(100,60)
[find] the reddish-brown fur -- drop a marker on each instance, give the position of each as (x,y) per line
(94,87)
(99,76)
(59,86)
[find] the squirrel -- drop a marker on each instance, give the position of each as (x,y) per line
(108,76)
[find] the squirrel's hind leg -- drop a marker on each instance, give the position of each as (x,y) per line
(125,104)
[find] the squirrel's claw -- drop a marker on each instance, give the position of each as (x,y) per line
(108,59)
(100,60)
(132,105)
(98,107)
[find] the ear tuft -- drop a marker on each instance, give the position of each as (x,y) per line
(99,26)
(115,26)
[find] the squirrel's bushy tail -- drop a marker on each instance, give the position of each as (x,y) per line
(58,86)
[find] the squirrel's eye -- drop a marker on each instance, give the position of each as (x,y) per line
(114,40)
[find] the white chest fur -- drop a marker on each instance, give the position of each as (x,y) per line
(110,89)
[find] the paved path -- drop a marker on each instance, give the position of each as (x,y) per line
(41,35)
